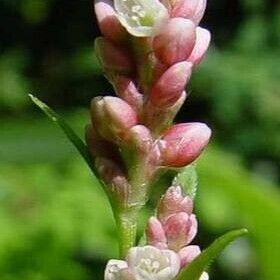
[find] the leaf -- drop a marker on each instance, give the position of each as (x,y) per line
(200,264)
(242,198)
(187,178)
(69,132)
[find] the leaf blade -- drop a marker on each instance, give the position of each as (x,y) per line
(200,264)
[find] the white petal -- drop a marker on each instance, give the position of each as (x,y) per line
(204,276)
(164,274)
(151,263)
(174,261)
(141,18)
(113,268)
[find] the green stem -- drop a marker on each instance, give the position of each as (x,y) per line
(127,213)
(145,62)
(126,220)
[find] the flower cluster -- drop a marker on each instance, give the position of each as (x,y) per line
(148,51)
(175,226)
(144,263)
(168,235)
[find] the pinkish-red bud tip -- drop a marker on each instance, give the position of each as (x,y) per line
(180,229)
(112,117)
(175,41)
(127,90)
(108,21)
(174,201)
(183,143)
(190,9)
(170,86)
(188,254)
(155,233)
(203,38)
(113,59)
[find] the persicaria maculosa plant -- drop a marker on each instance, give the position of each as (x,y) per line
(148,52)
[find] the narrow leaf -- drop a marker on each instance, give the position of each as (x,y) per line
(187,178)
(200,264)
(69,132)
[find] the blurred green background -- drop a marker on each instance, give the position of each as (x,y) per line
(55,223)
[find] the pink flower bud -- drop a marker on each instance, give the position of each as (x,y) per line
(108,21)
(126,89)
(188,254)
(203,38)
(114,177)
(113,58)
(98,146)
(155,233)
(112,117)
(175,41)
(141,138)
(190,9)
(168,89)
(159,119)
(180,229)
(183,143)
(172,202)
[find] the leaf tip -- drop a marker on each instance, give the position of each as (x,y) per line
(33,98)
(243,231)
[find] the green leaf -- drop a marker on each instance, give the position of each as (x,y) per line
(187,178)
(200,264)
(69,132)
(241,198)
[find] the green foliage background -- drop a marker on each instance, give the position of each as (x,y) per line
(55,222)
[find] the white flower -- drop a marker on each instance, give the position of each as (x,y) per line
(204,276)
(144,263)
(151,263)
(114,269)
(141,18)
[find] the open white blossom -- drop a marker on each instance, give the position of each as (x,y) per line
(204,276)
(141,18)
(114,269)
(151,263)
(144,263)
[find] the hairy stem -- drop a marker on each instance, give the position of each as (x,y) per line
(127,229)
(128,212)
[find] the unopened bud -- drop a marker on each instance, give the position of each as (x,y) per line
(172,202)
(168,89)
(108,169)
(183,143)
(112,117)
(180,229)
(159,119)
(108,21)
(97,145)
(203,38)
(114,177)
(141,138)
(155,234)
(112,58)
(188,254)
(175,41)
(126,89)
(190,9)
